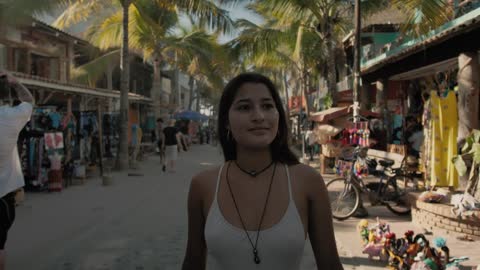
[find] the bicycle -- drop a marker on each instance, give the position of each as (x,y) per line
(391,190)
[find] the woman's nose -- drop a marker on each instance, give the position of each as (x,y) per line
(258,114)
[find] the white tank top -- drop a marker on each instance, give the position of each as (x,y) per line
(279,247)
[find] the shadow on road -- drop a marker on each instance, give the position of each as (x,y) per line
(362,261)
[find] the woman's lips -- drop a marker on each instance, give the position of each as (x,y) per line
(259,131)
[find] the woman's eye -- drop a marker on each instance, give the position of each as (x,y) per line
(243,107)
(268,106)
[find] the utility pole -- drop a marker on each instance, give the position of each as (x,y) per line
(356,61)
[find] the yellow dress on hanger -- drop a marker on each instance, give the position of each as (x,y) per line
(444,117)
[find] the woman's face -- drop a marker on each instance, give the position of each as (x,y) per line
(253,116)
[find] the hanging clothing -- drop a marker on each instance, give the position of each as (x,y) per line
(427,143)
(444,118)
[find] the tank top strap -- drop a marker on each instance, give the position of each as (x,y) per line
(218,181)
(289,182)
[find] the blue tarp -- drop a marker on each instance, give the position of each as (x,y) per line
(190,115)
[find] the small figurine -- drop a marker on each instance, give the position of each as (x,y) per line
(362,227)
(382,228)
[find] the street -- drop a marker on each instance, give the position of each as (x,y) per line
(139,222)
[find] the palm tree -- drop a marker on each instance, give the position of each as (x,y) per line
(423,15)
(204,12)
(283,49)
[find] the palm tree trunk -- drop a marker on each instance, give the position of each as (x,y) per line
(331,65)
(468,90)
(198,99)
(305,92)
(468,104)
(190,101)
(122,155)
(285,85)
(156,92)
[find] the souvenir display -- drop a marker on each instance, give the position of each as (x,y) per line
(410,252)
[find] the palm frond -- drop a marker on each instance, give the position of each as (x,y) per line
(79,11)
(207,14)
(422,15)
(107,34)
(92,71)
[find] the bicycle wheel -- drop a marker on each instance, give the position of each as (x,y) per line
(395,194)
(344,198)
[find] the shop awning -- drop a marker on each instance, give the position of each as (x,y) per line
(69,88)
(329,114)
(336,112)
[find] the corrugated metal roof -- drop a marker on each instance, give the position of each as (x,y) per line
(43,24)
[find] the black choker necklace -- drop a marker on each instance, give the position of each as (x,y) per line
(253,173)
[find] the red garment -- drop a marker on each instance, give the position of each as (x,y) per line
(55,180)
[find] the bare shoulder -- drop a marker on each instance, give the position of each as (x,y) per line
(203,181)
(306,173)
(310,179)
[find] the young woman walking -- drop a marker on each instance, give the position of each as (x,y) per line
(257,209)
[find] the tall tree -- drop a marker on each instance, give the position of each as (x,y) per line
(204,12)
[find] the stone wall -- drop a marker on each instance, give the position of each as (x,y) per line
(434,216)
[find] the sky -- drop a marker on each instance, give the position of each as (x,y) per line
(238,11)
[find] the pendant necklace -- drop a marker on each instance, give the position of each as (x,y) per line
(256,257)
(254,173)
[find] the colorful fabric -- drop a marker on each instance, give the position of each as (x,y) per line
(444,140)
(55,118)
(427,143)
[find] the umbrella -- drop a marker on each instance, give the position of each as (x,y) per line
(190,115)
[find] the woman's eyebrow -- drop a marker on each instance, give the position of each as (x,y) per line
(243,100)
(250,100)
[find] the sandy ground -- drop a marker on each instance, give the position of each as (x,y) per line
(140,222)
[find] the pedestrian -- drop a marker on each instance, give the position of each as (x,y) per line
(311,140)
(208,134)
(12,122)
(160,142)
(170,144)
(256,210)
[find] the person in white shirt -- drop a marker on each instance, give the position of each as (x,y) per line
(12,121)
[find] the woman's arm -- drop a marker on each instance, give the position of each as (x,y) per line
(195,256)
(23,93)
(320,226)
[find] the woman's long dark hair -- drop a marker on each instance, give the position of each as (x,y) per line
(279,148)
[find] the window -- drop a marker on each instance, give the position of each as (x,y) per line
(43,66)
(20,60)
(3,57)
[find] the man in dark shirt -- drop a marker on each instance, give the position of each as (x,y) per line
(170,143)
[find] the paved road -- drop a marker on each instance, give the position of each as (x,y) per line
(139,223)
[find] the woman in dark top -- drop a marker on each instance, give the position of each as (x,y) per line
(171,135)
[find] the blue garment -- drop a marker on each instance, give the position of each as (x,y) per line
(31,155)
(55,117)
(150,125)
(134,134)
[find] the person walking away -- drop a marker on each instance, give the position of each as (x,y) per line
(11,177)
(170,143)
(256,210)
(311,139)
(160,142)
